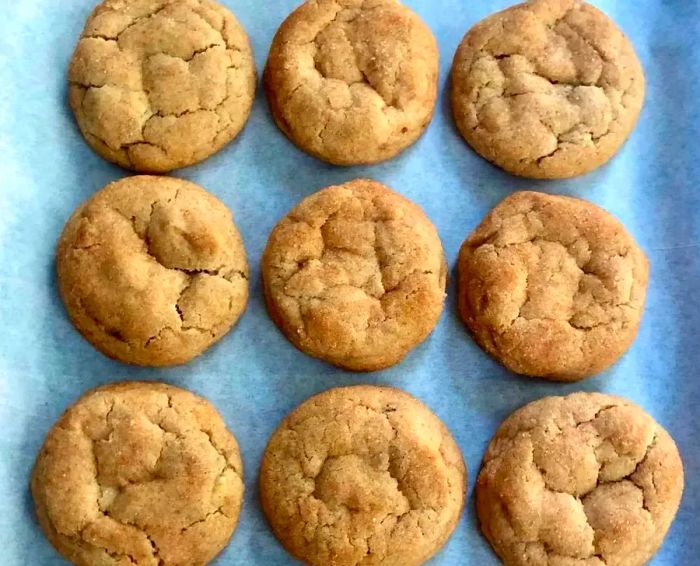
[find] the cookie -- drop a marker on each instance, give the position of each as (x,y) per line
(352,81)
(546,89)
(587,479)
(362,475)
(355,275)
(552,286)
(142,474)
(152,270)
(161,84)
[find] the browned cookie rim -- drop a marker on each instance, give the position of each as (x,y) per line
(591,233)
(633,455)
(279,70)
(145,153)
(395,408)
(424,287)
(125,538)
(575,152)
(186,324)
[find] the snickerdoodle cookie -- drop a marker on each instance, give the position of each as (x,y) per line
(355,275)
(152,270)
(552,286)
(139,473)
(583,480)
(362,475)
(352,81)
(547,89)
(161,84)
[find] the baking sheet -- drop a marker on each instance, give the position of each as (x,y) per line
(253,376)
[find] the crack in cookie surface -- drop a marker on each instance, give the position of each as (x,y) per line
(355,274)
(153,270)
(139,473)
(145,79)
(547,89)
(552,286)
(336,66)
(362,475)
(569,480)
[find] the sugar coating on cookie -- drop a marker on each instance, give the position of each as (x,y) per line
(152,270)
(547,89)
(587,479)
(352,81)
(139,473)
(355,275)
(362,475)
(161,84)
(552,286)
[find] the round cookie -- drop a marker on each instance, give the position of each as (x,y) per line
(552,286)
(152,270)
(139,473)
(355,275)
(546,89)
(352,81)
(587,479)
(161,84)
(362,475)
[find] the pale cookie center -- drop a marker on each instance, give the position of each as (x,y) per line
(551,280)
(350,482)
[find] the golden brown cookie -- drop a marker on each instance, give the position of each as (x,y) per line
(587,480)
(142,474)
(161,84)
(152,270)
(552,286)
(352,81)
(546,89)
(355,275)
(362,475)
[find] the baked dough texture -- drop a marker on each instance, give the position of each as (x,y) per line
(161,84)
(352,81)
(152,270)
(139,474)
(583,480)
(547,89)
(362,475)
(355,275)
(552,286)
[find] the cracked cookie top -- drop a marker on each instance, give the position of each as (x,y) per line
(139,474)
(552,286)
(355,275)
(352,81)
(161,84)
(362,475)
(587,479)
(152,270)
(547,89)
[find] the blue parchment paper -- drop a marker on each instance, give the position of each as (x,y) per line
(253,376)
